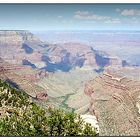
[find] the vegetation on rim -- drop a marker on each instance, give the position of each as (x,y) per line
(19,116)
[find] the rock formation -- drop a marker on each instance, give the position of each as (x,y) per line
(67,56)
(115,102)
(17,45)
(24,48)
(42,96)
(18,76)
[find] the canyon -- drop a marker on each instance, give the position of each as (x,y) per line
(75,77)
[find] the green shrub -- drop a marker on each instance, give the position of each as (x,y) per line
(26,118)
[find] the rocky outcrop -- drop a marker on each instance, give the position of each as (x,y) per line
(88,89)
(42,74)
(42,96)
(115,102)
(20,77)
(17,45)
(91,120)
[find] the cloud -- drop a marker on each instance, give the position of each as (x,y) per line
(130,12)
(86,15)
(118,10)
(60,16)
(126,12)
(82,12)
(113,21)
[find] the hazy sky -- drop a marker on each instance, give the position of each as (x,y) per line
(70,17)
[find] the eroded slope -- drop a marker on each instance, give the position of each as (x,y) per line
(115,102)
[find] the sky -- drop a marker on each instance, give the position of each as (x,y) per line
(42,17)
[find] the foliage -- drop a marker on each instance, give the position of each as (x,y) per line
(21,117)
